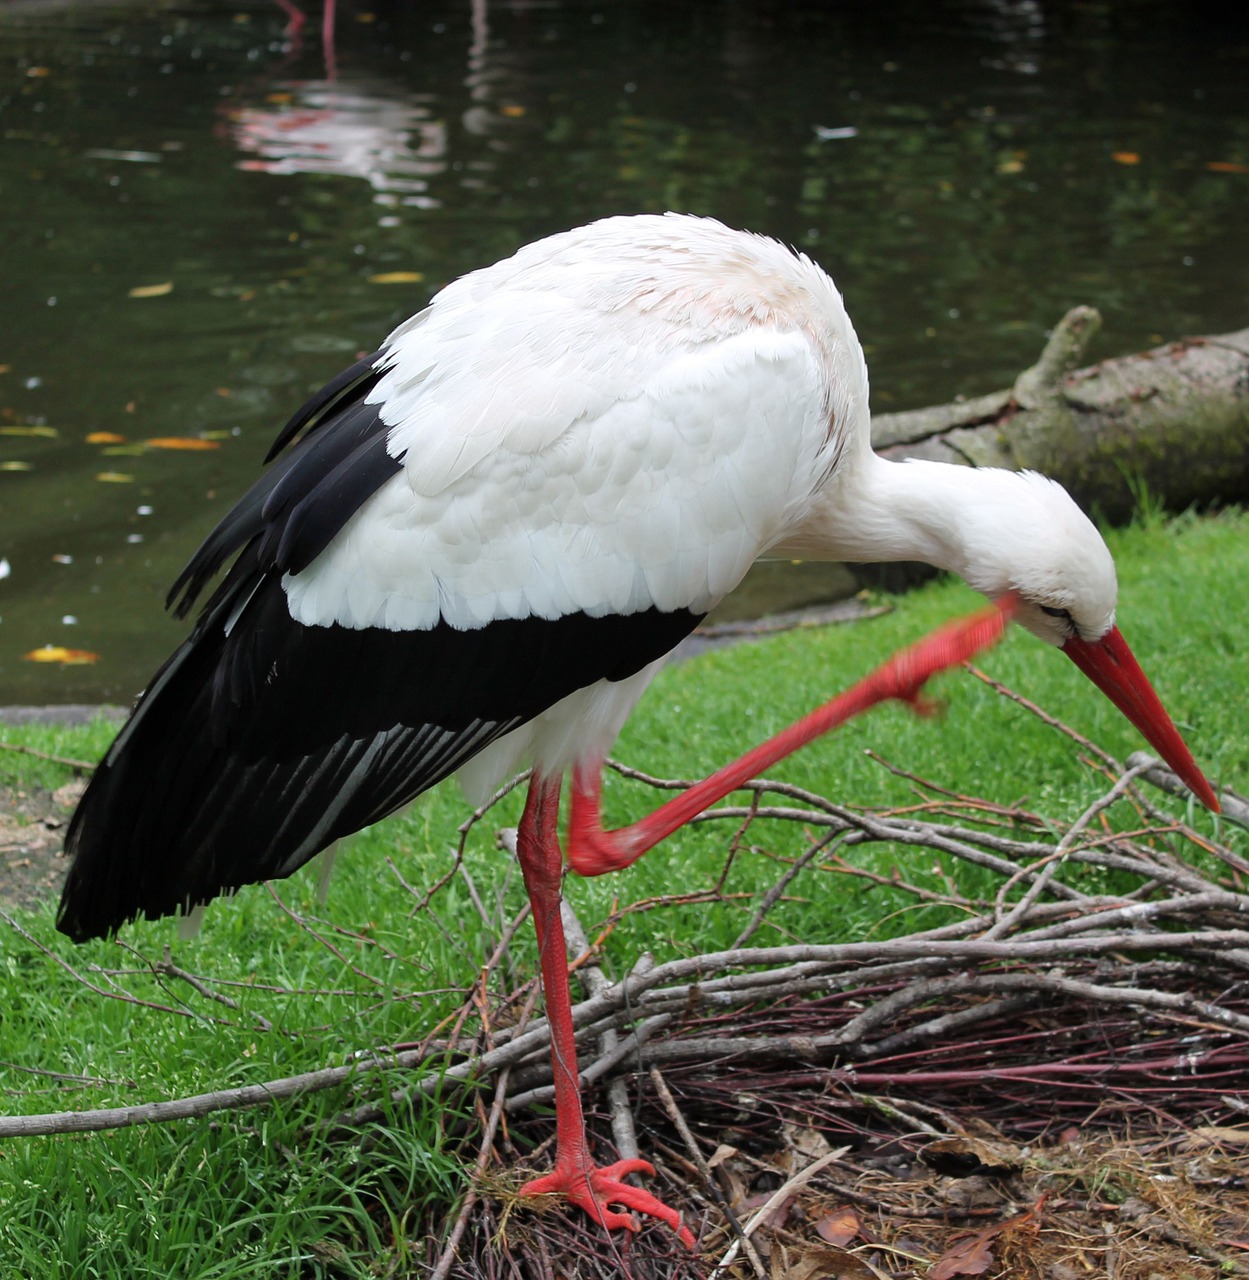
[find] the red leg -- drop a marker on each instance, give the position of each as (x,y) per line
(592,851)
(575,1176)
(295,16)
(327,41)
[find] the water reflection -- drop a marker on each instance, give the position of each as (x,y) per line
(200,225)
(382,132)
(347,131)
(1019,26)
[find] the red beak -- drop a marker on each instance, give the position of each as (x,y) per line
(1109,663)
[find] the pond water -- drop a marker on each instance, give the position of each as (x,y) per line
(199,223)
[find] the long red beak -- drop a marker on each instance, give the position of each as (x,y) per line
(1109,663)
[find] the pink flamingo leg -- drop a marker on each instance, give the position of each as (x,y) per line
(295,17)
(592,850)
(327,41)
(576,1177)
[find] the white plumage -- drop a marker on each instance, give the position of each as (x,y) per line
(477,545)
(619,418)
(582,429)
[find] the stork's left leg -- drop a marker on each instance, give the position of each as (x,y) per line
(575,1176)
(592,850)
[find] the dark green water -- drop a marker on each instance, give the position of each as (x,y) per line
(966,171)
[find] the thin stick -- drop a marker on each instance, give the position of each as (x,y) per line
(83,766)
(1007,920)
(777,1198)
(1044,716)
(450,1248)
(830,841)
(691,1146)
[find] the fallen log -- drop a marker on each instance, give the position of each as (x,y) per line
(1172,422)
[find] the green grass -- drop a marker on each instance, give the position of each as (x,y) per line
(257,1193)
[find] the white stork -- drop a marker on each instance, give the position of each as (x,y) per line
(478,544)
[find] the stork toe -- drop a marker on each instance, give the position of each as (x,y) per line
(593,1189)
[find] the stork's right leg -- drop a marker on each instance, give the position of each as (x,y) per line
(593,850)
(575,1176)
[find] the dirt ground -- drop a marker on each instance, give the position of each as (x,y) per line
(32,834)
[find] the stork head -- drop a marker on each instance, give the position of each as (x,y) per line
(1058,571)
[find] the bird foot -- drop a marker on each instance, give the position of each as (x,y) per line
(593,1189)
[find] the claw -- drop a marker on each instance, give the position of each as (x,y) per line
(593,1189)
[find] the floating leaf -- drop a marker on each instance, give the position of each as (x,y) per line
(105,437)
(66,657)
(1226,166)
(189,443)
(5,368)
(123,451)
(397,277)
(114,477)
(1125,157)
(14,465)
(513,110)
(44,433)
(151,290)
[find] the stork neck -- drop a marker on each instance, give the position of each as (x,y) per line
(873,511)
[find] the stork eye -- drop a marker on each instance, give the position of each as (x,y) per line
(1065,614)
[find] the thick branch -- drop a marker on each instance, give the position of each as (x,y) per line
(1176,418)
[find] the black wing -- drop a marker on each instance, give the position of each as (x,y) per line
(341,437)
(262,741)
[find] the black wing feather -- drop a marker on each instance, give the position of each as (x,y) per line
(222,779)
(262,741)
(313,520)
(353,383)
(336,425)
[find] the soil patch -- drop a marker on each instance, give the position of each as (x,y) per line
(32,839)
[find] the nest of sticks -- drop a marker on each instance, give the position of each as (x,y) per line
(1054,1085)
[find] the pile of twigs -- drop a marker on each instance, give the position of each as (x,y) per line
(1045,1006)
(1041,941)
